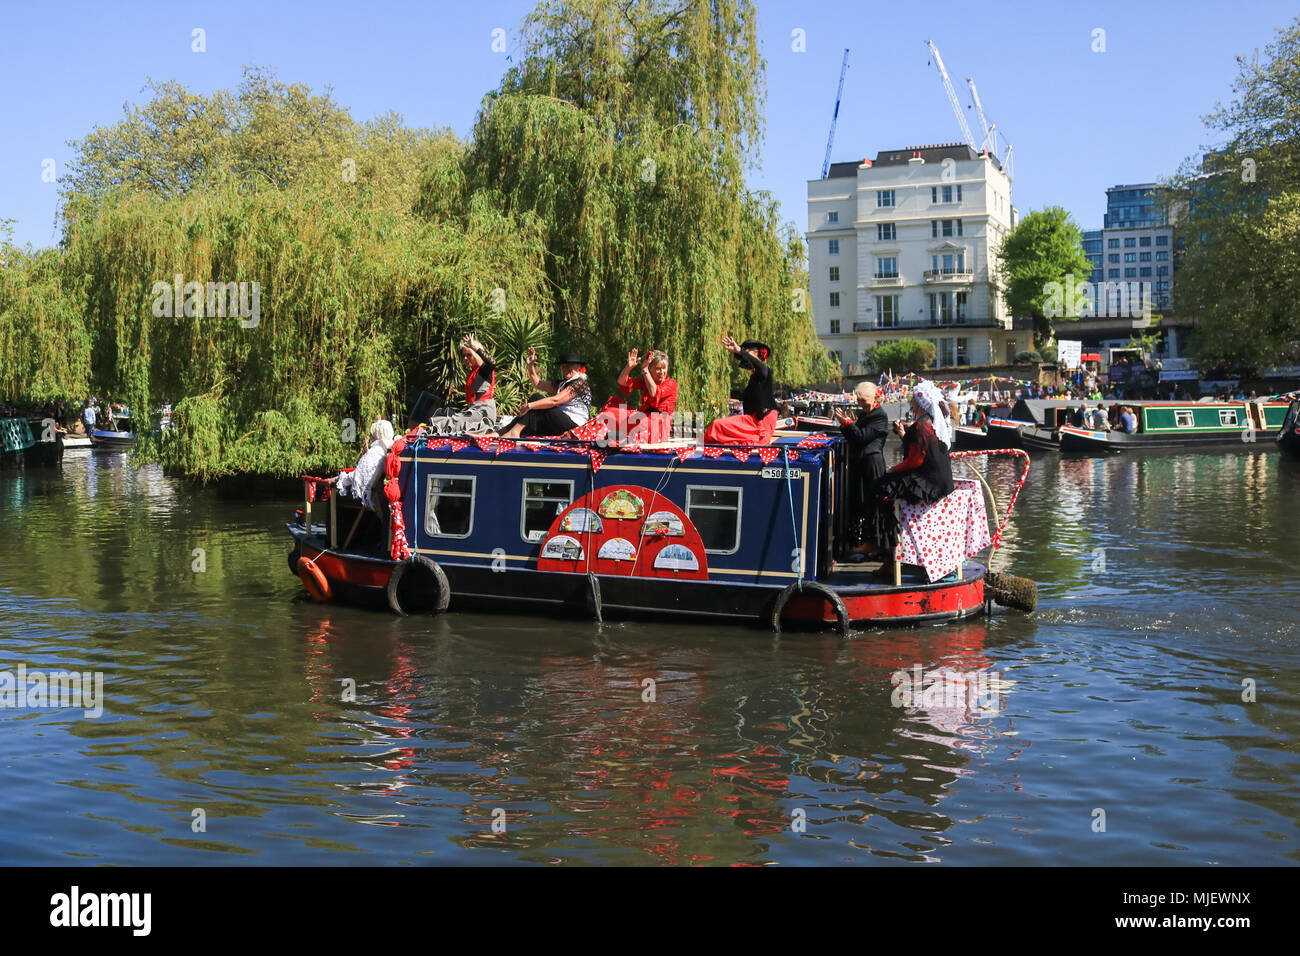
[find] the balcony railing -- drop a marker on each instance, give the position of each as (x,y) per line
(886,280)
(969,322)
(948,275)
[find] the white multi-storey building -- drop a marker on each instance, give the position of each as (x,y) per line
(902,246)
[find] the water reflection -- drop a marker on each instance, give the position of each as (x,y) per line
(323,735)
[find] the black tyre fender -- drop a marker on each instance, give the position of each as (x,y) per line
(811,587)
(294,555)
(418,586)
(593,597)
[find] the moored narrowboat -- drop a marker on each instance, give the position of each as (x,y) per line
(1179,425)
(707,531)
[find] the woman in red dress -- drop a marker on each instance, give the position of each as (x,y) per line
(757,421)
(653,421)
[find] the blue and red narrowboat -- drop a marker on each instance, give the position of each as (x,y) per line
(710,532)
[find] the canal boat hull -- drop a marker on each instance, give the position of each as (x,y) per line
(362,580)
(711,533)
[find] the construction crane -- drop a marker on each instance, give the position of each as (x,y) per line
(830,140)
(990,131)
(952,96)
(990,142)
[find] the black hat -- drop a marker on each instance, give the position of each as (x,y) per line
(762,350)
(569,358)
(424,408)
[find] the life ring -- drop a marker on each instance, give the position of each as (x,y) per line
(418,586)
(811,587)
(314,580)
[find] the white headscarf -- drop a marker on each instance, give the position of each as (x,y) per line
(381,433)
(927,395)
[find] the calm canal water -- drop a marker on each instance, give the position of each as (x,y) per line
(1165,582)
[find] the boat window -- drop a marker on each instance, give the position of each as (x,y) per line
(1227,416)
(543,500)
(449,506)
(1184,419)
(715,512)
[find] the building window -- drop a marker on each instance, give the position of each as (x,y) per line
(1144,257)
(886,311)
(1144,240)
(886,267)
(959,193)
(1112,257)
(1162,270)
(835,326)
(962,357)
(941,307)
(449,506)
(944,353)
(1162,255)
(543,500)
(1162,240)
(886,232)
(834,273)
(884,198)
(832,217)
(1130,273)
(715,512)
(944,194)
(961,309)
(1112,243)
(1130,242)
(835,300)
(1112,273)
(1130,257)
(833,247)
(934,228)
(1145,271)
(948,264)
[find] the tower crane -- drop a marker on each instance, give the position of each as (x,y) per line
(989,130)
(830,140)
(952,95)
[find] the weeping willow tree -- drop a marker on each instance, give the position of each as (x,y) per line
(281,305)
(43,339)
(623,133)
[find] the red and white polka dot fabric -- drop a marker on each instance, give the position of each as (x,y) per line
(939,537)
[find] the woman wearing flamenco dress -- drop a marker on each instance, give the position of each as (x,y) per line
(757,421)
(924,476)
(653,421)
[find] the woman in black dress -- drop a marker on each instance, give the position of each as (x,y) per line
(923,476)
(865,436)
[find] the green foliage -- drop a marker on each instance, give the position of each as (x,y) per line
(903,355)
(1044,248)
(1240,232)
(43,339)
(600,206)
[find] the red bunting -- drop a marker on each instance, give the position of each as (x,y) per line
(684,453)
(483,441)
(713,451)
(597,458)
(505,444)
(457,444)
(768,455)
(742,454)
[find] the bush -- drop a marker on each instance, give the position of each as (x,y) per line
(905,355)
(1032,356)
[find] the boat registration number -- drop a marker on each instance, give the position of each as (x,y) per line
(778,472)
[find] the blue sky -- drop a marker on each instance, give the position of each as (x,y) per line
(1080,120)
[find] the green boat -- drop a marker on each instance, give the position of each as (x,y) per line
(1180,425)
(19,446)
